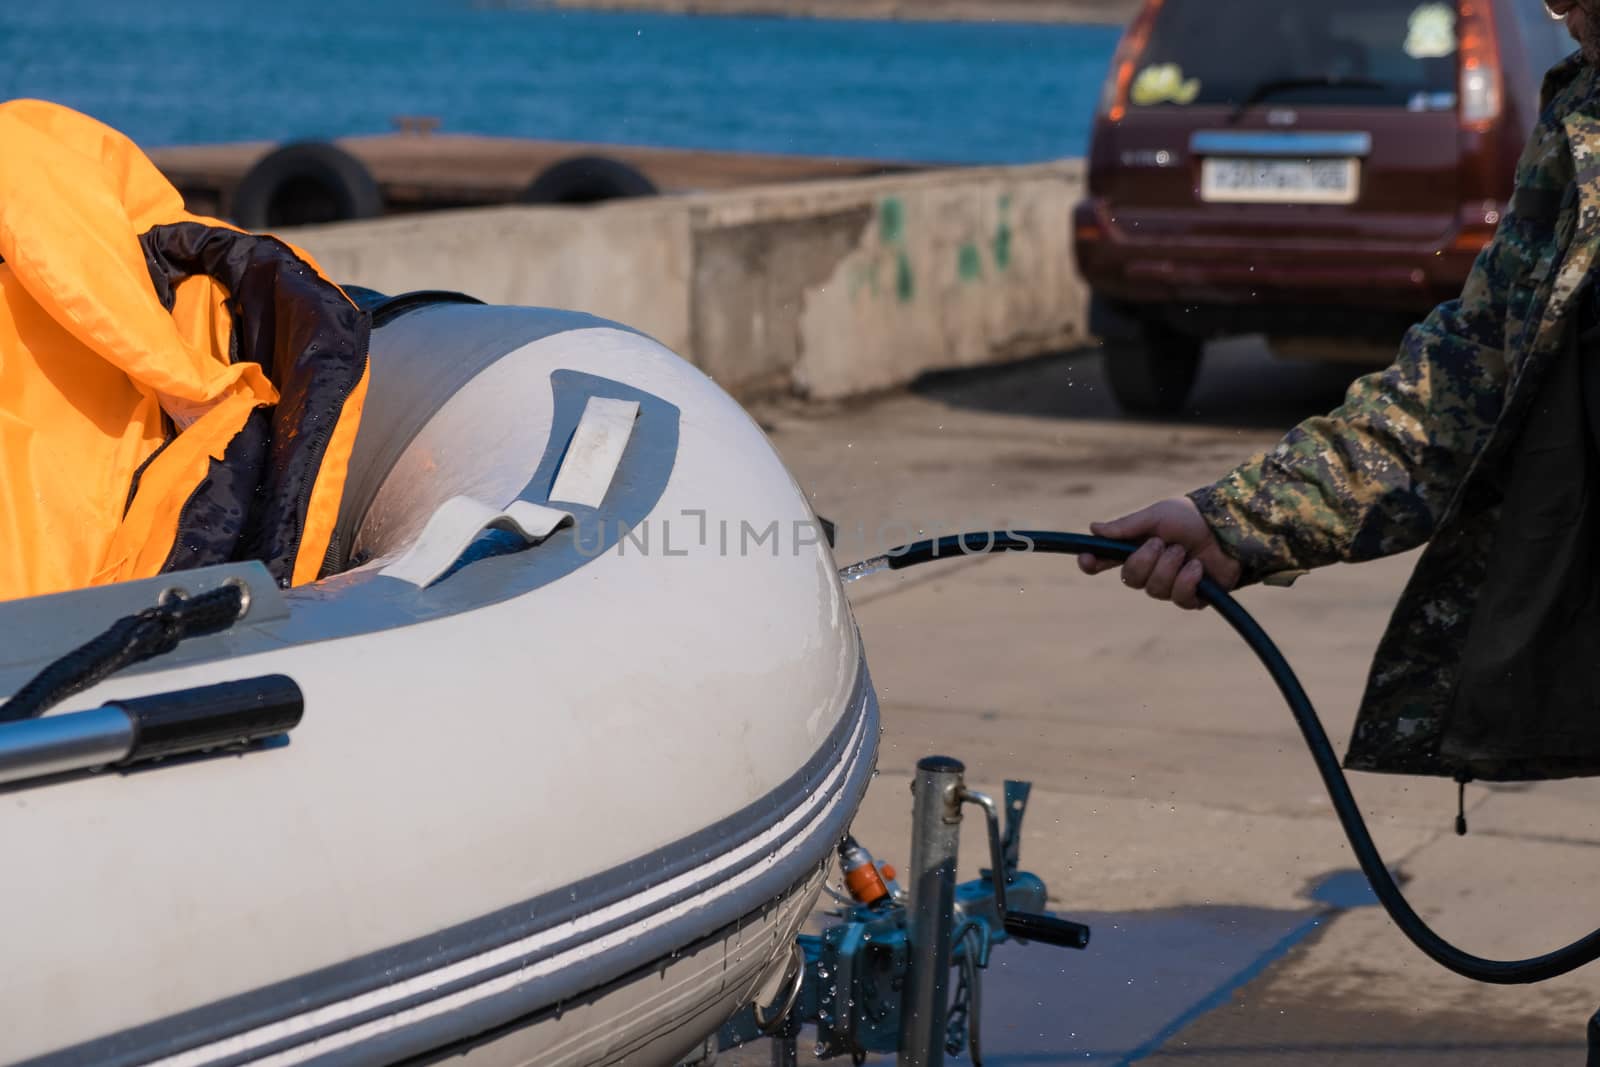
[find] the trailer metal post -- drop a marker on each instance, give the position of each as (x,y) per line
(936,836)
(785,1048)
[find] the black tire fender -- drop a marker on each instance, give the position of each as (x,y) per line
(305,183)
(587,180)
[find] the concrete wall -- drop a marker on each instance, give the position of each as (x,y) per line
(827,289)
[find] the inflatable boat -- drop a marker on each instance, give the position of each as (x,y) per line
(585,714)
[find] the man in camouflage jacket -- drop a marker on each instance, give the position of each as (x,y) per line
(1415,452)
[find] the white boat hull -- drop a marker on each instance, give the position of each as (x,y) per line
(558,807)
(663,1018)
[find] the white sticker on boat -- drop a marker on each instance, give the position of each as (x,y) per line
(595,452)
(457,524)
(1431,31)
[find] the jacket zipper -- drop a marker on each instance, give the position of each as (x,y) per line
(133,483)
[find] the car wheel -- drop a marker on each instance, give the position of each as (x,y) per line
(1153,376)
(305,183)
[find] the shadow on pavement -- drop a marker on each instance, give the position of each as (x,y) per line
(1241,384)
(1214,985)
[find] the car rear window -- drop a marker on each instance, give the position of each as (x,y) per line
(1397,53)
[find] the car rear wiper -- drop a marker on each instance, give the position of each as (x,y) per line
(1274,86)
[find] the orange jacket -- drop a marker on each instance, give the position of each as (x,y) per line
(174,392)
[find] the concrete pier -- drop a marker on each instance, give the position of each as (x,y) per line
(826,290)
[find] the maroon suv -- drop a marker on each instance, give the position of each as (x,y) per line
(1319,172)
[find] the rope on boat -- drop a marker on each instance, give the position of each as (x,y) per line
(152,632)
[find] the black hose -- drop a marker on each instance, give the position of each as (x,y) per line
(1501,972)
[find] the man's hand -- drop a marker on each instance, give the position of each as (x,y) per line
(1178,551)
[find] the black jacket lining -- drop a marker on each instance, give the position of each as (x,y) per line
(312,343)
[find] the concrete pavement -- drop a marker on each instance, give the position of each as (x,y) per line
(1174,804)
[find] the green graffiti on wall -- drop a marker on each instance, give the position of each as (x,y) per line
(892,234)
(891,221)
(1002,235)
(905,279)
(969,263)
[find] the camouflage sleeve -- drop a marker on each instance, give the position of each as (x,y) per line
(1371,478)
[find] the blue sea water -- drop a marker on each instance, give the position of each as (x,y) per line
(190,71)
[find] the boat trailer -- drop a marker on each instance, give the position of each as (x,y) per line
(877,980)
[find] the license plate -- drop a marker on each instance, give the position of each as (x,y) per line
(1280,181)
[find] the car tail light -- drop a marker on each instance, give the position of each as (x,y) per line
(1086,228)
(1479,59)
(1114,99)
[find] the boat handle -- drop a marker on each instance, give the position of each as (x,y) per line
(797,967)
(1027,925)
(457,523)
